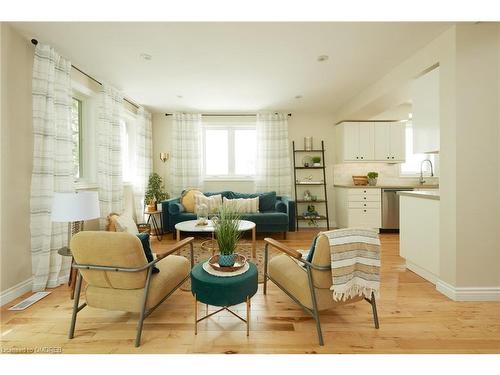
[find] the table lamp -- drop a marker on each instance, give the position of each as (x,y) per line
(75,207)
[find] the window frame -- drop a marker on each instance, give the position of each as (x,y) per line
(81,130)
(430,156)
(231,125)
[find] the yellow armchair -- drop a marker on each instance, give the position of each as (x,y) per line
(307,283)
(118,276)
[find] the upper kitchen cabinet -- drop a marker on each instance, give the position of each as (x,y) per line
(355,141)
(425,102)
(389,141)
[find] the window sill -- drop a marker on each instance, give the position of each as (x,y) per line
(229,179)
(83,185)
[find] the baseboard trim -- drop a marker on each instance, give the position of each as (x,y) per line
(468,293)
(429,276)
(16,291)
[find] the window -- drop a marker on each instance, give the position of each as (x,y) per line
(411,166)
(76,135)
(229,149)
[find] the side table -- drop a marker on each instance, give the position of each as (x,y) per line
(152,217)
(223,292)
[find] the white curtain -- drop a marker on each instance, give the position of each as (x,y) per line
(273,168)
(109,163)
(144,160)
(186,152)
(52,165)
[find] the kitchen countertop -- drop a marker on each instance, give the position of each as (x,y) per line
(421,194)
(388,186)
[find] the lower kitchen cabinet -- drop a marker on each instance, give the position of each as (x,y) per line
(358,207)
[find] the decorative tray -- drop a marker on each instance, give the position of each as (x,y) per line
(239,262)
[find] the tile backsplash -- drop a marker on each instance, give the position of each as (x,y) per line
(388,174)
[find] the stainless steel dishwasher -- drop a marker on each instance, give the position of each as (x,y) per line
(390,208)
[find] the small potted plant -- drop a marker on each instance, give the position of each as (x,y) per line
(316,161)
(372,178)
(155,192)
(226,225)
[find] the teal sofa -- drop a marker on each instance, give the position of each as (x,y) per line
(276,213)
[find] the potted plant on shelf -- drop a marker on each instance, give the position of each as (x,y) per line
(372,178)
(155,192)
(226,225)
(316,161)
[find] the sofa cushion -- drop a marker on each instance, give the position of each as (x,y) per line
(280,207)
(212,202)
(243,205)
(267,201)
(175,208)
(266,218)
(187,199)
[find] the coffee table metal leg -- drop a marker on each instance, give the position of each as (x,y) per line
(195,315)
(248,316)
(254,243)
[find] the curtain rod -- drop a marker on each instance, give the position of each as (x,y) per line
(35,42)
(229,114)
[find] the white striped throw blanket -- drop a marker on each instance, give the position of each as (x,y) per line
(355,255)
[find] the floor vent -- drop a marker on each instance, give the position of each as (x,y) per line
(24,304)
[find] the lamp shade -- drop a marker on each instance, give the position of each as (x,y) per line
(68,207)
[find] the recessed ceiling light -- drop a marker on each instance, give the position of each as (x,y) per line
(146,56)
(180,96)
(322,58)
(298,96)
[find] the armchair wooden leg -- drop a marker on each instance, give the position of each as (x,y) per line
(374,309)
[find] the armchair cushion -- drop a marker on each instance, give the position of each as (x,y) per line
(125,223)
(173,270)
(146,246)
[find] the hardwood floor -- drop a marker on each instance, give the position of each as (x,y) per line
(414,318)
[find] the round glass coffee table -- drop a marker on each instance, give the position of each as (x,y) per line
(190,226)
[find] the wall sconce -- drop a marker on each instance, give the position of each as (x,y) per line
(164,156)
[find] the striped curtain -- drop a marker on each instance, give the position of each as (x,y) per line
(186,152)
(108,143)
(52,165)
(144,160)
(273,169)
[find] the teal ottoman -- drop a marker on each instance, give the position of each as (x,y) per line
(222,291)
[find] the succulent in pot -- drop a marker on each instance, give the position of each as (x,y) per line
(227,235)
(316,161)
(155,192)
(372,178)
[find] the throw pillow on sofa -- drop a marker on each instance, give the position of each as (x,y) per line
(188,200)
(242,205)
(212,202)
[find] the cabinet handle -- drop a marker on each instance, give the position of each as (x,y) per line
(364,210)
(357,157)
(364,204)
(393,157)
(361,157)
(364,197)
(388,157)
(364,191)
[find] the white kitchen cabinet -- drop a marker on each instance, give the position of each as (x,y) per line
(355,141)
(425,110)
(389,141)
(358,207)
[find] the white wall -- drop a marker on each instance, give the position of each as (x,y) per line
(16,160)
(319,126)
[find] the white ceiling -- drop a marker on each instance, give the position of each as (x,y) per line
(236,67)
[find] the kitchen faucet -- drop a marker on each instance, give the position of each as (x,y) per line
(422,181)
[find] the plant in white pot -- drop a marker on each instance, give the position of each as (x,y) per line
(372,178)
(226,225)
